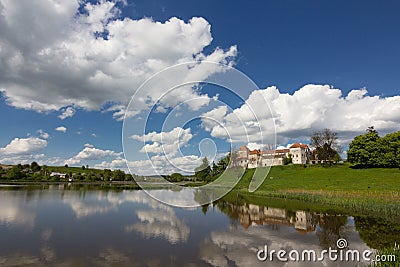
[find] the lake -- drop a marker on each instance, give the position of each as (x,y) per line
(67,225)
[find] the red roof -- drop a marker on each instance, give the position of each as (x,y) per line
(268,151)
(297,145)
(243,148)
(255,152)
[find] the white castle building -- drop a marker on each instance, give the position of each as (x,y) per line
(300,154)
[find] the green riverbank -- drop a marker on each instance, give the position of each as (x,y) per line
(360,190)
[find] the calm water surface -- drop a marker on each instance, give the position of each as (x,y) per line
(72,226)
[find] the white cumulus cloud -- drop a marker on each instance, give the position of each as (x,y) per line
(61,129)
(23,146)
(114,164)
(54,57)
(164,142)
(43,134)
(156,223)
(92,153)
(312,107)
(67,113)
(158,164)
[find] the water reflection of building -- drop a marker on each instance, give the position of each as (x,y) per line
(304,222)
(250,214)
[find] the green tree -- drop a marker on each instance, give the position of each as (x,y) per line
(128,177)
(370,150)
(363,149)
(118,175)
(215,170)
(176,177)
(391,149)
(224,162)
(16,172)
(337,158)
(45,170)
(79,177)
(107,174)
(96,176)
(35,167)
(203,171)
(287,160)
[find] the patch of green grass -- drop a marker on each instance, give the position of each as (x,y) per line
(359,190)
(379,183)
(63,169)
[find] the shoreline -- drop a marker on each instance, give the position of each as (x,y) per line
(323,200)
(309,201)
(337,187)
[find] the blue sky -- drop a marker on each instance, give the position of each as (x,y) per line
(349,44)
(317,64)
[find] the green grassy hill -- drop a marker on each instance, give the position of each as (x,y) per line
(361,189)
(340,178)
(62,169)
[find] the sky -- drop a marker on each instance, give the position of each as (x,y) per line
(69,69)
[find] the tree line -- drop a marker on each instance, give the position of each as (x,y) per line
(208,173)
(35,172)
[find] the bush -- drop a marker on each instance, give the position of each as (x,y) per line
(287,160)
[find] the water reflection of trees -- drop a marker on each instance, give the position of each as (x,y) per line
(377,233)
(329,229)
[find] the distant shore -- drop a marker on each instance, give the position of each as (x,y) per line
(66,182)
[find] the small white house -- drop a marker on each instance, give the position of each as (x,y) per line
(61,175)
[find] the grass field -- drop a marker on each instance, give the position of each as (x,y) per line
(372,190)
(380,184)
